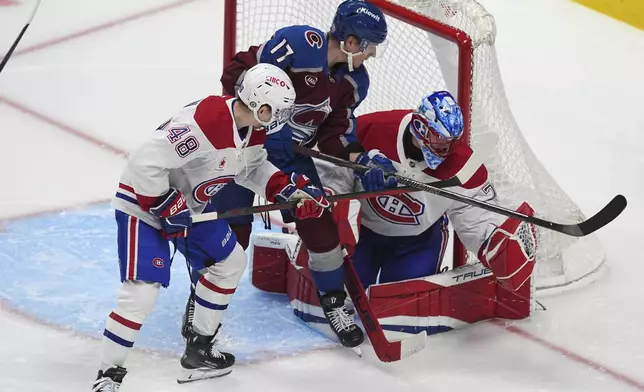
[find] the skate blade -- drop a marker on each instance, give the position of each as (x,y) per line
(357,351)
(190,375)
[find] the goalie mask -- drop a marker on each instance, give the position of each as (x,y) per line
(437,125)
(266,84)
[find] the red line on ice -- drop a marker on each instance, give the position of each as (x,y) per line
(572,356)
(64,127)
(103,26)
(512,329)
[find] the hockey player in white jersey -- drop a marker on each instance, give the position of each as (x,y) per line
(404,237)
(173,175)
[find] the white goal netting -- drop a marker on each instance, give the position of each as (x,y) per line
(423,55)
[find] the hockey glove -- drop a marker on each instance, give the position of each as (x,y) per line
(173,212)
(375,178)
(285,188)
(510,250)
(280,147)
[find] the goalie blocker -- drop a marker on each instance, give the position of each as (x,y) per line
(498,287)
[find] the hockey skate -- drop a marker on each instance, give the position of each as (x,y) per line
(202,360)
(188,316)
(341,322)
(110,380)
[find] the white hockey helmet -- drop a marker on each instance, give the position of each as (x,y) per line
(266,84)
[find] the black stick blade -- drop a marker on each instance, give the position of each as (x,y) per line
(607,214)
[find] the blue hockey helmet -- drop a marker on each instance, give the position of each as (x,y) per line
(361,19)
(437,125)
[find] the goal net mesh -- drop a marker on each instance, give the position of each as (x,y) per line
(423,55)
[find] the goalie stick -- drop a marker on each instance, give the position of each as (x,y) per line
(22,32)
(594,223)
(385,350)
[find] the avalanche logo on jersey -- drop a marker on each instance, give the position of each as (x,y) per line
(207,189)
(307,117)
(314,39)
(402,209)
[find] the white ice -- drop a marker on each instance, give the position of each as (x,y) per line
(575,83)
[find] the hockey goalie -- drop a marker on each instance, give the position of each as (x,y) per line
(397,242)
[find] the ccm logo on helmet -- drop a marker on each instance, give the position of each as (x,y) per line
(363,10)
(277,81)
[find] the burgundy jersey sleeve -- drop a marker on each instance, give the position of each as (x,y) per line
(234,72)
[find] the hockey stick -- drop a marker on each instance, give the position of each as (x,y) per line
(385,350)
(22,32)
(208,216)
(594,223)
(487,145)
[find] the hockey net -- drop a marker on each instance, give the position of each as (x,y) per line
(438,45)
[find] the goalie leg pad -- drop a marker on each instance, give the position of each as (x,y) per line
(446,301)
(279,264)
(510,250)
(435,304)
(270,255)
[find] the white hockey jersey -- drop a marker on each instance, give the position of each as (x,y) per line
(197,151)
(411,214)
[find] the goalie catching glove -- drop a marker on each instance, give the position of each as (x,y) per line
(173,213)
(297,187)
(510,250)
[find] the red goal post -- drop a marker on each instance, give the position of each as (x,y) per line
(445,44)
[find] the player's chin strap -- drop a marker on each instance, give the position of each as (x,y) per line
(350,55)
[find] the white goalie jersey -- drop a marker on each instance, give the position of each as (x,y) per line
(411,214)
(198,151)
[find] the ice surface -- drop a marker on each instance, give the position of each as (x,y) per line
(574,81)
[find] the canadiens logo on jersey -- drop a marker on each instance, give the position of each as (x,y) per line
(402,209)
(307,117)
(207,189)
(158,262)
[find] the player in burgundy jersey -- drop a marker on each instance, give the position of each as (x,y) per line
(331,81)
